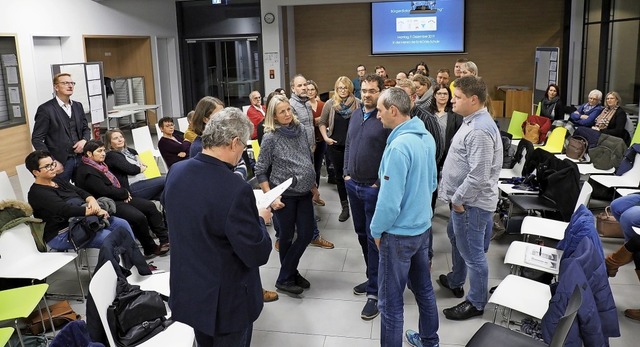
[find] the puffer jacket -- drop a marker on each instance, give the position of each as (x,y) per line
(608,153)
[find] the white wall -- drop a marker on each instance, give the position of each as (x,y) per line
(71,19)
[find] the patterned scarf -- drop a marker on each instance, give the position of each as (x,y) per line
(346,107)
(102,167)
(602,122)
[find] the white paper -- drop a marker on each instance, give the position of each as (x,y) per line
(97,115)
(553,66)
(17,111)
(93,72)
(265,199)
(554,56)
(541,256)
(14,95)
(96,102)
(12,75)
(94,87)
(9,60)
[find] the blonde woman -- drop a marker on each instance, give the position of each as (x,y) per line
(334,123)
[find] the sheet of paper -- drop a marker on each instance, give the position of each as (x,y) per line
(267,198)
(9,59)
(17,111)
(97,115)
(12,75)
(93,72)
(147,159)
(14,95)
(94,87)
(96,102)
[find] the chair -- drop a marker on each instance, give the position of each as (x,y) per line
(491,334)
(627,191)
(629,179)
(21,259)
(158,281)
(555,141)
(517,257)
(18,303)
(636,136)
(26,180)
(5,335)
(515,125)
(516,171)
(143,142)
(6,190)
(103,290)
(183,124)
(245,108)
(513,290)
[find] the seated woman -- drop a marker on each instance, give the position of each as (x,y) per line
(55,201)
(586,114)
(125,164)
(611,121)
(551,106)
(93,175)
(172,145)
(205,108)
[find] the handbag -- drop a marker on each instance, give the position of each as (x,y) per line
(61,314)
(577,147)
(607,225)
(532,132)
(83,229)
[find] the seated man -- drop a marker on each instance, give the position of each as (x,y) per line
(256,112)
(172,145)
(56,200)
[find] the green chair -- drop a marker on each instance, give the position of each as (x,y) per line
(555,141)
(5,335)
(515,125)
(636,136)
(538,108)
(18,303)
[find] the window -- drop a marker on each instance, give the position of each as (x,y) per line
(11,99)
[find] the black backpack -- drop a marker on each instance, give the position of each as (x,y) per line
(508,152)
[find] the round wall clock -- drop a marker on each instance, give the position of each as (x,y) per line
(269,17)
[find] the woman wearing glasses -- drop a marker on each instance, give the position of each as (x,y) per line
(285,153)
(334,123)
(586,114)
(449,121)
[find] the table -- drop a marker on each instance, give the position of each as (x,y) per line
(129,110)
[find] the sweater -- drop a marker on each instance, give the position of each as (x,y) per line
(169,149)
(366,141)
(121,167)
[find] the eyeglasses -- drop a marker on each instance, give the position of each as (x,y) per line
(342,88)
(52,165)
(244,144)
(369,91)
(65,83)
(361,70)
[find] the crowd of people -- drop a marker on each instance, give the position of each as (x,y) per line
(394,146)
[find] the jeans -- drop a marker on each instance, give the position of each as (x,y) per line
(238,339)
(318,155)
(336,153)
(627,211)
(363,199)
(61,241)
(295,219)
(405,260)
(468,232)
(150,189)
(69,169)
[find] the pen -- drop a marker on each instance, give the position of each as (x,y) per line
(540,251)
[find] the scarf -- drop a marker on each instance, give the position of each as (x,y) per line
(549,104)
(602,122)
(102,167)
(346,107)
(289,131)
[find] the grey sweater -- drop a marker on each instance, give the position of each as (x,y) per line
(286,156)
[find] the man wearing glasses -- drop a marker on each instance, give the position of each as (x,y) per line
(361,70)
(61,126)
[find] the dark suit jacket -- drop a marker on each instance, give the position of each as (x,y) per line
(218,242)
(51,129)
(454,121)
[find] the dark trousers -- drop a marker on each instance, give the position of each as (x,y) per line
(237,339)
(295,216)
(318,155)
(337,158)
(69,169)
(143,215)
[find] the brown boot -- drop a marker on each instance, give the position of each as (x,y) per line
(269,296)
(633,313)
(616,259)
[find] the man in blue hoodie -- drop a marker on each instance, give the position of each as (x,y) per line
(408,177)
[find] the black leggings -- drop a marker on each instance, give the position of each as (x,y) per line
(337,158)
(143,215)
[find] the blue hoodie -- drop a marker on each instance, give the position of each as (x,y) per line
(408,178)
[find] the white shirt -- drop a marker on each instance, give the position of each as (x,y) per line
(65,107)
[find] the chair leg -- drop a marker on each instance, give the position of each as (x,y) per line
(75,262)
(18,331)
(46,305)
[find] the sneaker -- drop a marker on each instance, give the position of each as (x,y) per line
(413,338)
(370,310)
(457,292)
(269,296)
(302,282)
(360,289)
(276,246)
(322,243)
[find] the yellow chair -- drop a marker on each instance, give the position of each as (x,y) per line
(5,335)
(515,125)
(18,303)
(538,108)
(636,136)
(555,141)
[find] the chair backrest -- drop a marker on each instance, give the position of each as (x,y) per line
(17,243)
(245,108)
(564,325)
(158,131)
(517,168)
(142,139)
(515,125)
(555,141)
(634,173)
(584,196)
(6,190)
(26,180)
(636,136)
(183,124)
(103,290)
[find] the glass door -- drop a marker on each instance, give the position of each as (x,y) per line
(228,69)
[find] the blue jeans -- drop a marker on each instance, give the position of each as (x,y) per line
(405,260)
(69,169)
(627,211)
(61,241)
(150,189)
(469,233)
(295,219)
(363,199)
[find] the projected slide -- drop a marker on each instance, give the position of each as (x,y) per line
(417,27)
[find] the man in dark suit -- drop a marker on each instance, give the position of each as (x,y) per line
(61,127)
(218,237)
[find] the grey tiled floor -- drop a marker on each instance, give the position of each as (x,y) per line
(328,314)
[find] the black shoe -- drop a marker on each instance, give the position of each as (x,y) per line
(462,311)
(302,282)
(331,180)
(370,310)
(360,289)
(457,292)
(291,288)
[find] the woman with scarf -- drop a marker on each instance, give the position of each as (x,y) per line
(285,152)
(334,123)
(550,105)
(94,176)
(423,90)
(611,121)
